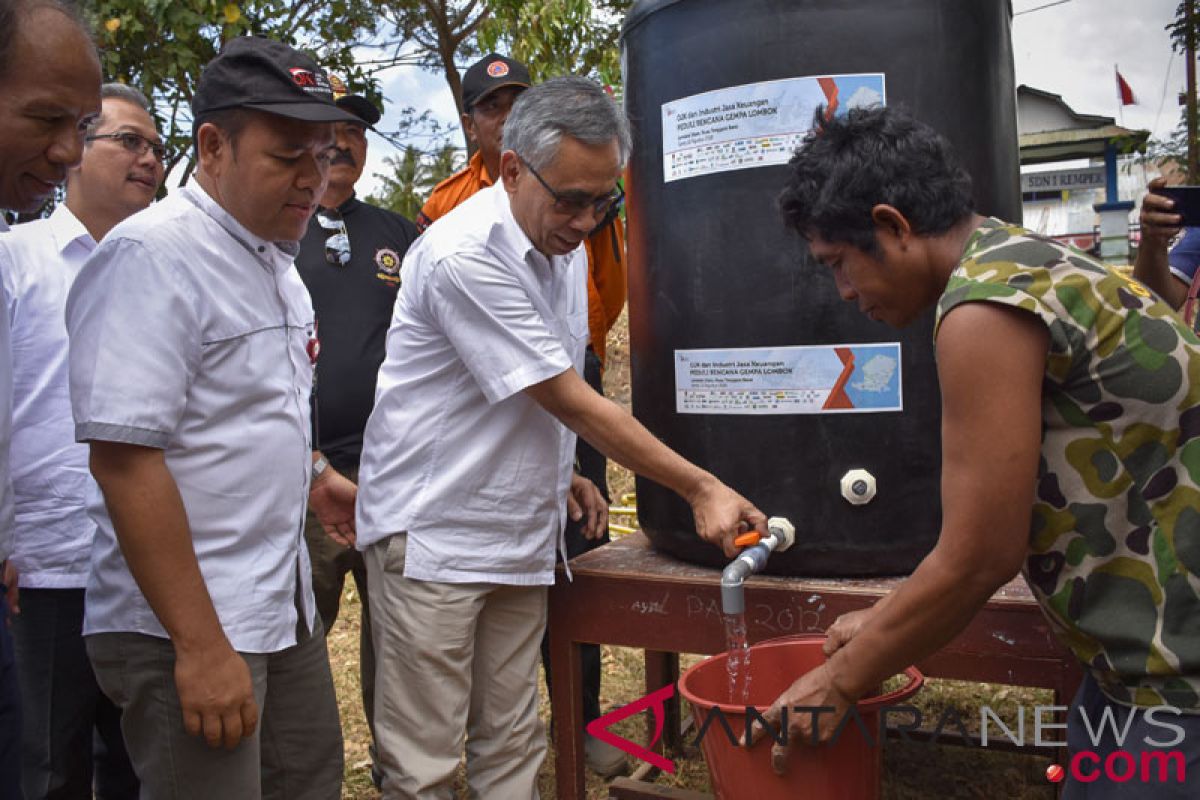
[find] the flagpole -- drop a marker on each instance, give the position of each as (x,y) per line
(1193,158)
(1120,99)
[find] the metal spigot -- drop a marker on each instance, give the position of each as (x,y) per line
(781,535)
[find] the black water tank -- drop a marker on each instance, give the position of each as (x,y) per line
(713,268)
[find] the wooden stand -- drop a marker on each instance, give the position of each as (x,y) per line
(628,594)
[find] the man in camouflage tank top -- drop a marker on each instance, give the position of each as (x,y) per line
(1068,389)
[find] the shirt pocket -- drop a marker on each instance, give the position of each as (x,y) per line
(577,331)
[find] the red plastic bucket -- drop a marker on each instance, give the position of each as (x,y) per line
(848,769)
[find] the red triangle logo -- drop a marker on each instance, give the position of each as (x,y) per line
(654,701)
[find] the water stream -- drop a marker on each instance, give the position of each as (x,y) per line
(738,663)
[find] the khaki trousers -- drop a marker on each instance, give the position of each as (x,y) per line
(454,658)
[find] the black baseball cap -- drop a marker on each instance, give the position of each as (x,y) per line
(366,111)
(266,75)
(490,73)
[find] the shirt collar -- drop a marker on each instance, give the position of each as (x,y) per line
(975,240)
(507,236)
(66,229)
(476,163)
(275,255)
(352,202)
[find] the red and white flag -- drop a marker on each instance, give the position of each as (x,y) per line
(1124,92)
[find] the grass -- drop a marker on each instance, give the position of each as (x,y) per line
(912,771)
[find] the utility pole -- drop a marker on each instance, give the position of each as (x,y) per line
(1193,157)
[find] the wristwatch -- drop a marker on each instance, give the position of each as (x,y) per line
(319,466)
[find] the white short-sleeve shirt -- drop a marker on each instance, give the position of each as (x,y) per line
(455,453)
(6,394)
(190,334)
(52,532)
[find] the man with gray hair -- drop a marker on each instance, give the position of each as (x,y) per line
(121,170)
(49,90)
(467,455)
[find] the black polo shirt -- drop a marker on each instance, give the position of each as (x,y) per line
(354,308)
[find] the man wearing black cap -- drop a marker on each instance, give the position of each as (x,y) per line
(192,343)
(489,87)
(350,261)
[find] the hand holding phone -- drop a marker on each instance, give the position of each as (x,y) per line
(1187,203)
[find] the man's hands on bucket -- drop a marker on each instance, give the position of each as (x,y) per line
(814,690)
(584,502)
(721,514)
(846,627)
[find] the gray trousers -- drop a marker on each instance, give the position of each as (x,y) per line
(294,754)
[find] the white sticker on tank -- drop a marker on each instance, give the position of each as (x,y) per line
(756,124)
(812,379)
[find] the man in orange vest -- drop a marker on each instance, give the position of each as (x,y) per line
(489,88)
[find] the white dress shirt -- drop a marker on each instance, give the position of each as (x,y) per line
(52,533)
(6,494)
(190,334)
(455,453)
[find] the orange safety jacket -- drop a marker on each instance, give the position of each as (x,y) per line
(605,249)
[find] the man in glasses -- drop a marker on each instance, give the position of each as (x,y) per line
(350,261)
(119,175)
(467,479)
(49,92)
(192,346)
(490,86)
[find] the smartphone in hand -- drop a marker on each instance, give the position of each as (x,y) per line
(1187,203)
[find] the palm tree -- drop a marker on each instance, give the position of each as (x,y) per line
(413,176)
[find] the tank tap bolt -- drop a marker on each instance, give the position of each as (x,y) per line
(858,487)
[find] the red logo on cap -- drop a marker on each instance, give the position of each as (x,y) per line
(303,77)
(497,69)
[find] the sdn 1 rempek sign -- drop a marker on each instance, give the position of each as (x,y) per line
(1063,180)
(1155,759)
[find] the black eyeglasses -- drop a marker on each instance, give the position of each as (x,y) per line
(574,205)
(134,143)
(337,242)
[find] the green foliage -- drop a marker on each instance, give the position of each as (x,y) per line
(1178,28)
(414,174)
(160,46)
(435,35)
(558,37)
(1174,148)
(1169,149)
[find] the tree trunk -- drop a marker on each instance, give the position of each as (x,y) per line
(1193,157)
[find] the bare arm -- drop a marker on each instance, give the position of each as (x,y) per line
(991,441)
(613,431)
(1159,226)
(213,681)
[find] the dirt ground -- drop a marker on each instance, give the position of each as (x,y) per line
(912,771)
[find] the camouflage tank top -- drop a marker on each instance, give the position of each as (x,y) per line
(1114,547)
